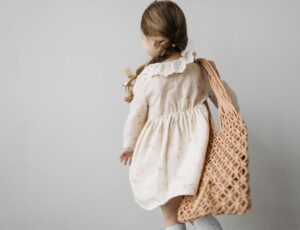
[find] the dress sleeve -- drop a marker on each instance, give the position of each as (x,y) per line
(137,116)
(228,89)
(230,92)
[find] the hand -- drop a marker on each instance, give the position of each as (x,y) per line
(126,157)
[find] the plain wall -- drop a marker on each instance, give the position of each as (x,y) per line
(62,108)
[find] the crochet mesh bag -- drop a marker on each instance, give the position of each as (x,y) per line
(224,185)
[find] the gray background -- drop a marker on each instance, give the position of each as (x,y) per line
(62,109)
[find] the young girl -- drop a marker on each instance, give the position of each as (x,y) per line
(166,132)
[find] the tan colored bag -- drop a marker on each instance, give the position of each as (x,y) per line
(224,185)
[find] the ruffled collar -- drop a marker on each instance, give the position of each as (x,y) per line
(169,67)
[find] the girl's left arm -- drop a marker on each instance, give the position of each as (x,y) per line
(137,116)
(231,93)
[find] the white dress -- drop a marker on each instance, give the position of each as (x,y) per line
(167,129)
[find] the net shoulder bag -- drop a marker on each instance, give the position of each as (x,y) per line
(224,184)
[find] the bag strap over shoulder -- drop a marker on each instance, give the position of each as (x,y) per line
(223,99)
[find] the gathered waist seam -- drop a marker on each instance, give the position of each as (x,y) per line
(176,113)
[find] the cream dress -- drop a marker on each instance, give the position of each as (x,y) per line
(167,129)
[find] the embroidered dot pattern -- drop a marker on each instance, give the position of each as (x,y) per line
(167,128)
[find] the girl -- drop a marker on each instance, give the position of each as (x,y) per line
(166,132)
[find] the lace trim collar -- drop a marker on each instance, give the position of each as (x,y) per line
(169,67)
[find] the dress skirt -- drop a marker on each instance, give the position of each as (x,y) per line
(169,156)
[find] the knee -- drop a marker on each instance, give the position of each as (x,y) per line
(169,216)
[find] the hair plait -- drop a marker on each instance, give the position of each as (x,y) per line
(162,46)
(165,19)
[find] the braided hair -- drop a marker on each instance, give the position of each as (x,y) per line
(165,19)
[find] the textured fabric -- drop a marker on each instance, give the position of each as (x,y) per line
(176,227)
(224,185)
(208,222)
(167,129)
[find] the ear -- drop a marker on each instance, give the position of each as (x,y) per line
(156,42)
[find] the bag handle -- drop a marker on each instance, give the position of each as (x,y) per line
(223,99)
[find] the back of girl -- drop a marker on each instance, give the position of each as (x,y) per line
(166,132)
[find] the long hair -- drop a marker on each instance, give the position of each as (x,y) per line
(165,19)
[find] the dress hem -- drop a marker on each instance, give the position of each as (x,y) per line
(165,200)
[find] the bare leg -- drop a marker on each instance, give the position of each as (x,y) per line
(169,211)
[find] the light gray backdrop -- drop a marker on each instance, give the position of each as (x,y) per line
(62,109)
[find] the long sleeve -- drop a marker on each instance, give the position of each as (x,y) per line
(137,116)
(228,89)
(230,92)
